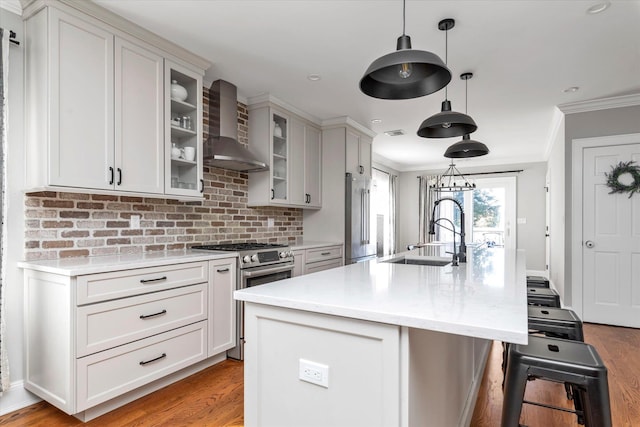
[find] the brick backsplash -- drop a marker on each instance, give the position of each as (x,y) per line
(59,224)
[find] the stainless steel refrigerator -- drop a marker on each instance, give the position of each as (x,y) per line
(360,245)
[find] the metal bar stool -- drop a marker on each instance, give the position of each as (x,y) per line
(559,360)
(550,322)
(537,282)
(555,322)
(543,297)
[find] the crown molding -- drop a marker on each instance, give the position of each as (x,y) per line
(601,104)
(268,99)
(347,121)
(12,6)
(29,7)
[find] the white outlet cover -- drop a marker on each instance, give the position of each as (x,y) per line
(135,221)
(314,373)
(522,220)
(270,222)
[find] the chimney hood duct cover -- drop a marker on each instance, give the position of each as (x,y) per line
(222,149)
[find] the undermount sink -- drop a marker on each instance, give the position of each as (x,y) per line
(420,261)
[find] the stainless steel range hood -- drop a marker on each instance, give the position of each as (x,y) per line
(222,149)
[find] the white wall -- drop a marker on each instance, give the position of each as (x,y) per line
(16,397)
(612,121)
(557,198)
(530,205)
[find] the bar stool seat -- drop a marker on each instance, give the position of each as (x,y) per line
(537,282)
(555,322)
(554,359)
(543,297)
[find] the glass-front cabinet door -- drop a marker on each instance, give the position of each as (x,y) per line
(279,156)
(183,116)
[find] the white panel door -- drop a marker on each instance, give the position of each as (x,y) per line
(296,163)
(312,166)
(610,241)
(139,127)
(222,306)
(81,103)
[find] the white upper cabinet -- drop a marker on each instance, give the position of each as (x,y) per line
(139,131)
(183,132)
(80,102)
(291,146)
(313,166)
(358,153)
(95,99)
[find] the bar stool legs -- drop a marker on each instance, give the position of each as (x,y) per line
(572,362)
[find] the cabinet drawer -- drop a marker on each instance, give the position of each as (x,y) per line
(109,324)
(323,265)
(106,286)
(108,374)
(329,252)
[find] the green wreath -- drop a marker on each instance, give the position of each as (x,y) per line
(622,168)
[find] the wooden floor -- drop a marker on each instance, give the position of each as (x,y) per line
(214,397)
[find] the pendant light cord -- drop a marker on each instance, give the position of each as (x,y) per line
(446,58)
(404,15)
(466,95)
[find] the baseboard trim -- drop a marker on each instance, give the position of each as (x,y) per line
(17,397)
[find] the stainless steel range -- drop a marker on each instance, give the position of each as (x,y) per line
(258,263)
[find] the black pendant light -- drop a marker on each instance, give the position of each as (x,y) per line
(405,73)
(467,147)
(447,123)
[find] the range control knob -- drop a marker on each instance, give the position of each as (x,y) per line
(246,259)
(283,254)
(254,258)
(290,254)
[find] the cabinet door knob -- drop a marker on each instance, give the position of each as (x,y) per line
(202,185)
(273,194)
(119,176)
(111,174)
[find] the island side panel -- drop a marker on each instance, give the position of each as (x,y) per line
(364,366)
(443,375)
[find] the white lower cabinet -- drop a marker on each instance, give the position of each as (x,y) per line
(311,260)
(222,306)
(92,338)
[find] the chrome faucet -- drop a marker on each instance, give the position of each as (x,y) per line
(461,255)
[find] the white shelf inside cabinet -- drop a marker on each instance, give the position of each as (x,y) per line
(181,107)
(180,132)
(183,162)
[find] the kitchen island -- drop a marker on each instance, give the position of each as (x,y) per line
(380,343)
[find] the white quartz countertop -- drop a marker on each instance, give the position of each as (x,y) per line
(105,263)
(311,244)
(484,298)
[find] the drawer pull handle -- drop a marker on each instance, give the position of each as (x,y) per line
(146,362)
(153,280)
(146,316)
(222,270)
(325,253)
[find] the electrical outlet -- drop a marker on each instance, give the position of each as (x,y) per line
(314,373)
(270,222)
(135,221)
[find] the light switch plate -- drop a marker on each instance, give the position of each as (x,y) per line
(522,220)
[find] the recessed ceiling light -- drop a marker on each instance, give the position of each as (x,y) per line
(571,89)
(314,77)
(376,121)
(598,8)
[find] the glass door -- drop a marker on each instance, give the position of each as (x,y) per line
(490,213)
(280,154)
(184,130)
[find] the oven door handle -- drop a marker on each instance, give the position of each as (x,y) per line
(264,272)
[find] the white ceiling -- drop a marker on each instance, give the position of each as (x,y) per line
(522,53)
